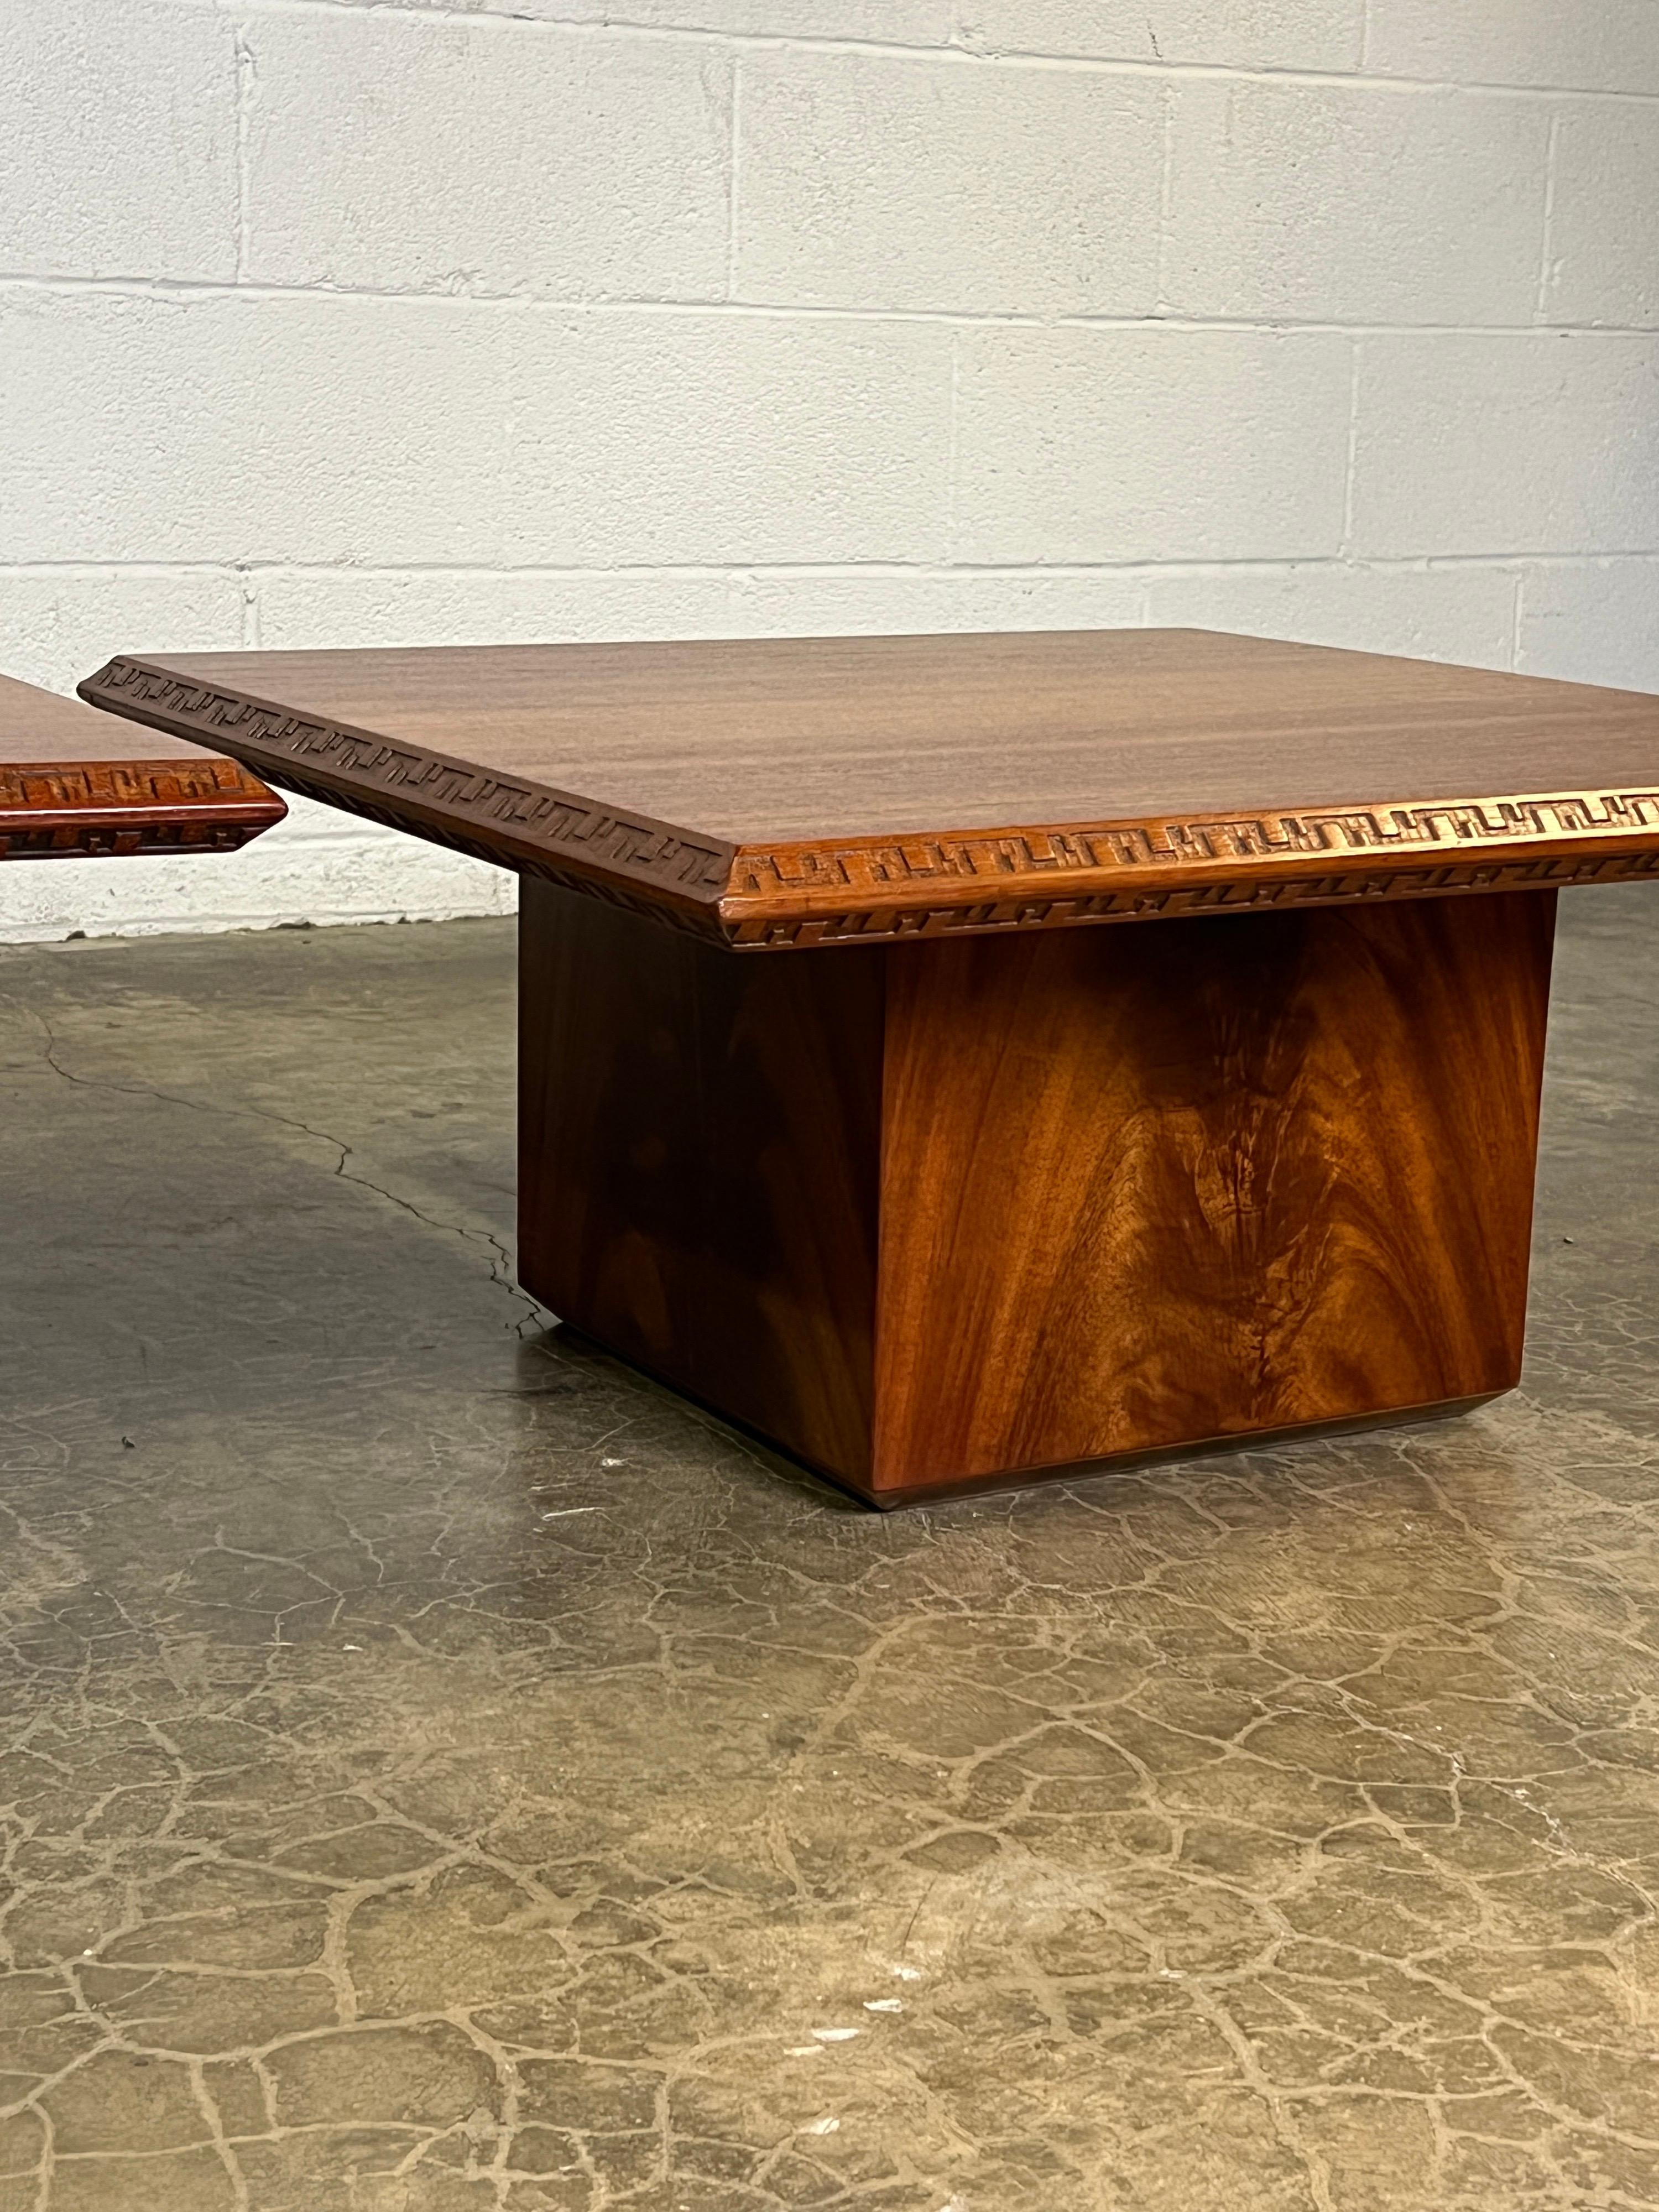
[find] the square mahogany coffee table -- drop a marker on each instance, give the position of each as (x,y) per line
(74,785)
(959,1058)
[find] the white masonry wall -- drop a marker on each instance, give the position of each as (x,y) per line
(329,324)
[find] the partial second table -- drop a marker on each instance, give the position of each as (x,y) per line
(74,785)
(964,1059)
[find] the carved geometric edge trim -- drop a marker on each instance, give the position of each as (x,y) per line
(58,810)
(696,919)
(133,786)
(1113,848)
(92,839)
(530,824)
(1168,903)
(799,895)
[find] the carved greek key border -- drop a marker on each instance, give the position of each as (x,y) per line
(902,863)
(892,923)
(93,840)
(57,786)
(535,821)
(63,810)
(700,919)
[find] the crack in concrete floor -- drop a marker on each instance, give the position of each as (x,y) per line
(440,1773)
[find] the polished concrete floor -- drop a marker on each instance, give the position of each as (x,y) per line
(440,1772)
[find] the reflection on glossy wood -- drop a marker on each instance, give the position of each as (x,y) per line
(1205,1180)
(935,1216)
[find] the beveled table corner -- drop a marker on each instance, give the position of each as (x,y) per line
(971,1188)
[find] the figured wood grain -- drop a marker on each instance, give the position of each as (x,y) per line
(931,1216)
(783,795)
(1146,1190)
(73,783)
(699,1159)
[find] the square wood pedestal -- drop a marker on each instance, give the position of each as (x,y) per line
(945,1215)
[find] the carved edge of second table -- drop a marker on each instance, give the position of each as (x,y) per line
(788,895)
(53,809)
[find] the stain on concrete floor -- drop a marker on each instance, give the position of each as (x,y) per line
(440,1772)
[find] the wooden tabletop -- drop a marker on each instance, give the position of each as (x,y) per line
(73,783)
(798,792)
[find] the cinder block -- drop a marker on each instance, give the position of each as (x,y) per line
(118,153)
(349,872)
(1592,621)
(1591,44)
(1460,614)
(397,153)
(1333,204)
(225,428)
(300,609)
(882,180)
(1308,35)
(1544,443)
(312,609)
(895,23)
(726,438)
(57,625)
(771,604)
(1604,216)
(1148,444)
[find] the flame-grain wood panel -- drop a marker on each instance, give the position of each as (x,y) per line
(939,1216)
(1150,1188)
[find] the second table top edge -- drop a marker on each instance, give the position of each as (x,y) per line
(63,796)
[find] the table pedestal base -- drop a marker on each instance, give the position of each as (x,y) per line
(939,1216)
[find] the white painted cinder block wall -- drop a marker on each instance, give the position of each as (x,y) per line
(333,324)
